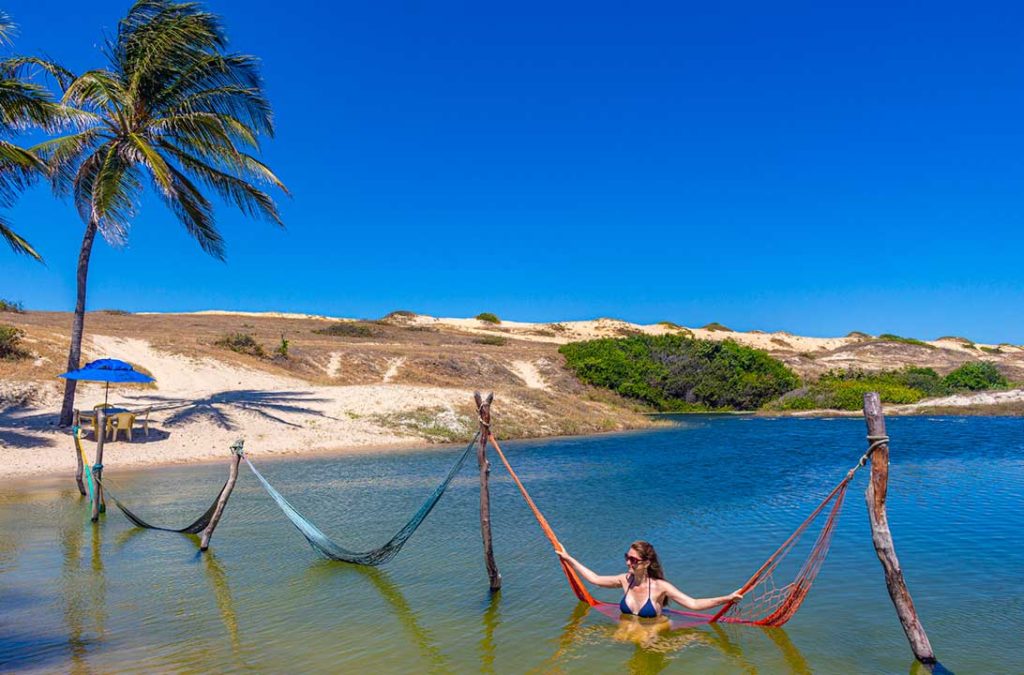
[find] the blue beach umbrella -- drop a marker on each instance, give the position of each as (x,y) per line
(107,370)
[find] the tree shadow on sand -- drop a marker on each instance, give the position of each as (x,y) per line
(218,408)
(14,439)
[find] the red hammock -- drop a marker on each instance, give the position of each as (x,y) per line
(765,603)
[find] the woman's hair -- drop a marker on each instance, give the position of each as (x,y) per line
(648,553)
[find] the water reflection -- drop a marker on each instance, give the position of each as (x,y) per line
(83,591)
(492,617)
(567,641)
(796,661)
(404,612)
(79,598)
(656,644)
(222,594)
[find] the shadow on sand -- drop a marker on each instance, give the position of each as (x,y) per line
(219,408)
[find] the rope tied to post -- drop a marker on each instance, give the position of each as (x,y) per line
(875,442)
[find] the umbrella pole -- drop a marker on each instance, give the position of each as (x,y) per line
(106,393)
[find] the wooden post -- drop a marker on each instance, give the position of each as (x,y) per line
(98,505)
(222,501)
(882,538)
(483,409)
(76,432)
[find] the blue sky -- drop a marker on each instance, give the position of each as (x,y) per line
(779,166)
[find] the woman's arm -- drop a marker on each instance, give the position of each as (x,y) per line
(596,579)
(697,604)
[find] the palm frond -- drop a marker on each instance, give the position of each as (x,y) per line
(115,191)
(196,213)
(249,199)
(99,88)
(18,65)
(7,27)
(171,103)
(16,242)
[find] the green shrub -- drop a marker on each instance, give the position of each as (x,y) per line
(889,337)
(674,372)
(488,317)
(10,344)
(10,306)
(493,340)
(242,343)
(976,376)
(715,326)
(282,349)
(990,350)
(346,329)
(676,327)
(558,328)
(925,380)
(844,390)
(858,335)
(956,338)
(115,312)
(400,314)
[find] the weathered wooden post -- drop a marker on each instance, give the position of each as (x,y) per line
(222,501)
(882,538)
(98,505)
(483,410)
(76,434)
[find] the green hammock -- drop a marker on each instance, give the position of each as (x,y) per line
(378,556)
(195,527)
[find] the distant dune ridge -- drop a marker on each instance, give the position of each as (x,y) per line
(322,384)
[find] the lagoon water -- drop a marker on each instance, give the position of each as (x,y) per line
(716,495)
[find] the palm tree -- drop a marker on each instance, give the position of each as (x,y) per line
(22,104)
(171,106)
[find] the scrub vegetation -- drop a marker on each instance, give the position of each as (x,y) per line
(241,343)
(673,373)
(10,306)
(845,389)
(346,329)
(10,344)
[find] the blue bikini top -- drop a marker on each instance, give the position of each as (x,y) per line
(648,611)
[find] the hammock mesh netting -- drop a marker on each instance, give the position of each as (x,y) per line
(378,556)
(766,600)
(195,527)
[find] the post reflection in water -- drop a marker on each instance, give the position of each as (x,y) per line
(492,617)
(98,581)
(83,591)
(379,579)
(222,594)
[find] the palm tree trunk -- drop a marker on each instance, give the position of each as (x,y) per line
(75,353)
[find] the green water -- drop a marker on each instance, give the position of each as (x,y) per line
(715,495)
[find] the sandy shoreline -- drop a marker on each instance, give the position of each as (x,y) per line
(406,382)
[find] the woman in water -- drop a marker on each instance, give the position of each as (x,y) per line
(645,591)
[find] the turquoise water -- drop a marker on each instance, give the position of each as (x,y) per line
(716,495)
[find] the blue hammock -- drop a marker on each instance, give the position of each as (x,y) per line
(378,556)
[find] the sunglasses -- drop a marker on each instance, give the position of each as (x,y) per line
(633,559)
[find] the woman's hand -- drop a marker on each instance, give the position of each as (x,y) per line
(563,554)
(735,596)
